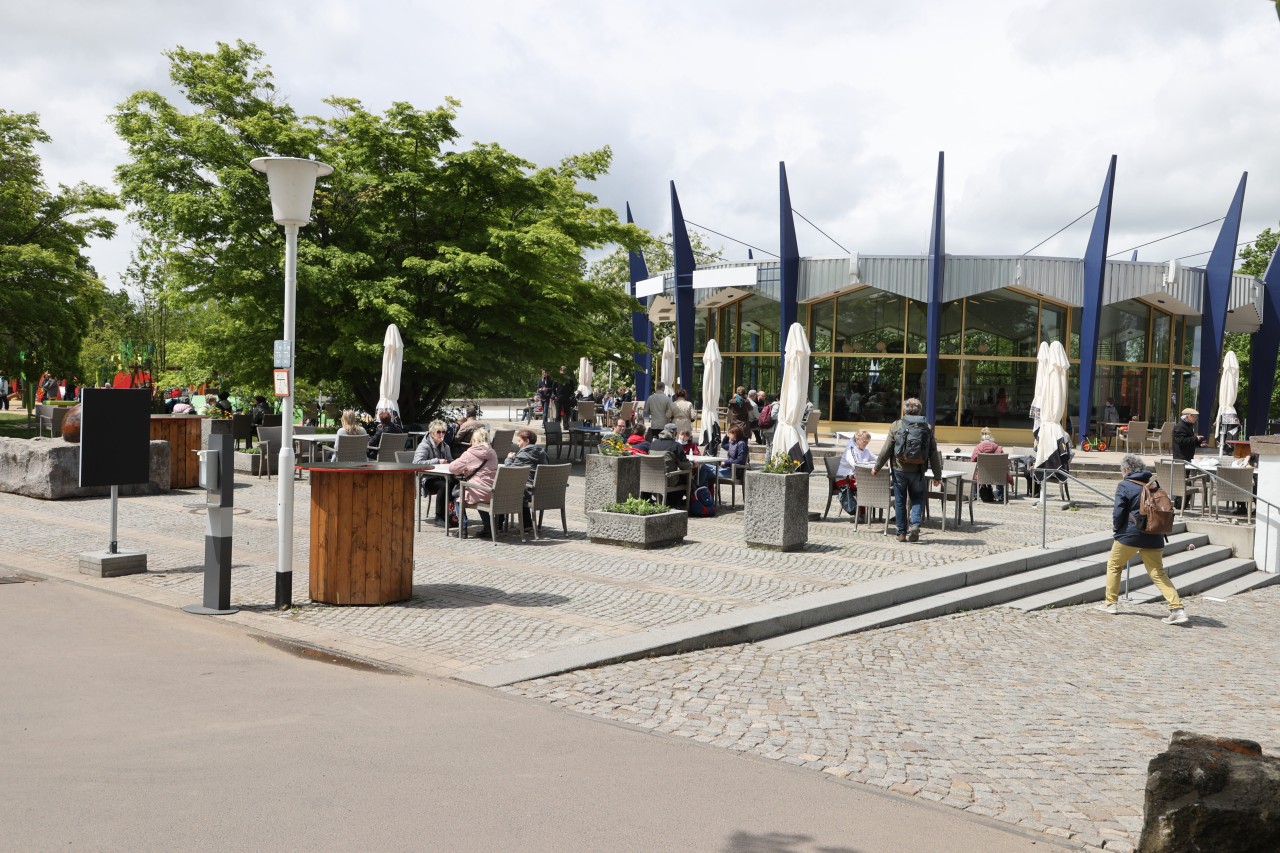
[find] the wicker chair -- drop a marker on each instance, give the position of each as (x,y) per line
(1161,437)
(811,425)
(269,439)
(586,411)
(1136,436)
(503,441)
(550,486)
(506,498)
(351,448)
(655,479)
(874,493)
(554,437)
(992,470)
(833,465)
(1234,485)
(242,430)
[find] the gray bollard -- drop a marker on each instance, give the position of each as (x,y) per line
(217,477)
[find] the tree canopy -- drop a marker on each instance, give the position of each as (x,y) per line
(475,253)
(49,291)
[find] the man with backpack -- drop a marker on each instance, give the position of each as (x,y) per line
(1141,519)
(910,450)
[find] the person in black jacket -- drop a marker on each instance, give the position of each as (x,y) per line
(1129,540)
(529,454)
(1185,438)
(387,423)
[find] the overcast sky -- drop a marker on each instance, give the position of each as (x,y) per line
(1028,98)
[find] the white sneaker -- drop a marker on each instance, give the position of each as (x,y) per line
(1175,617)
(1111,609)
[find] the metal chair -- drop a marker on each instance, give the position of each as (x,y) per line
(553,436)
(242,429)
(655,479)
(1234,485)
(506,498)
(586,411)
(269,439)
(550,486)
(992,469)
(874,493)
(832,464)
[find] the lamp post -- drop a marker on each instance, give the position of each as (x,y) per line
(292,181)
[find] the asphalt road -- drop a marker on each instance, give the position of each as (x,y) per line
(126,725)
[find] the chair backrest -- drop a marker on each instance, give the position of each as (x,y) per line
(404,455)
(833,465)
(387,450)
(550,485)
(352,448)
(587,411)
(992,469)
(653,476)
(508,489)
(1236,485)
(1172,476)
(272,420)
(241,427)
(1166,434)
(553,436)
(625,410)
(270,436)
(503,441)
(876,492)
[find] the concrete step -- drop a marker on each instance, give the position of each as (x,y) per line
(1081,572)
(1244,583)
(1197,580)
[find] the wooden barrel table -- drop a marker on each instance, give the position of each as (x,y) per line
(183,434)
(362,531)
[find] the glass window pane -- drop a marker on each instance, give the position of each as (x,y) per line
(1191,343)
(997,393)
(700,330)
(819,384)
(1122,332)
(822,318)
(1161,325)
(1001,323)
(952,317)
(1053,322)
(760,320)
(868,388)
(870,321)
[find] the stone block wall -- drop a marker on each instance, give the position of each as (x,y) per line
(49,468)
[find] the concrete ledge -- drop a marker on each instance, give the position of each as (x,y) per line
(1237,537)
(103,564)
(49,469)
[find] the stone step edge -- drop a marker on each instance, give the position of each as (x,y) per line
(752,624)
(1256,579)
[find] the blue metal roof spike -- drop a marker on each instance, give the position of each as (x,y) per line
(788,309)
(933,323)
(1095,269)
(1217,298)
(684,266)
(1263,349)
(641,328)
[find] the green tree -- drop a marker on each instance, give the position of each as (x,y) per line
(475,253)
(1254,259)
(48,290)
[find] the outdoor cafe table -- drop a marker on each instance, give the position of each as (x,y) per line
(441,470)
(362,531)
(581,434)
(950,478)
(310,442)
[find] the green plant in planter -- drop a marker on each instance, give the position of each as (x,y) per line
(637,506)
(781,463)
(613,445)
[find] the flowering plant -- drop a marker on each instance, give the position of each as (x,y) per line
(781,463)
(613,445)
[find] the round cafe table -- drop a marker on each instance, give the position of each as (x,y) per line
(362,531)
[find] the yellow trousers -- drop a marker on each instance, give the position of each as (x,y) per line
(1153,559)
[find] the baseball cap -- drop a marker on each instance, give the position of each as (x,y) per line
(671,427)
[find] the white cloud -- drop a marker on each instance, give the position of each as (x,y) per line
(1028,101)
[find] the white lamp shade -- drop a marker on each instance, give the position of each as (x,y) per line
(292,181)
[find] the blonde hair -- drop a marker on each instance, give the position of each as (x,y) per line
(862,435)
(437,426)
(479,436)
(986,434)
(349,422)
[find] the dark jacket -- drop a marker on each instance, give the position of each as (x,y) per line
(736,451)
(889,452)
(1123,515)
(531,455)
(671,450)
(1185,440)
(739,412)
(375,440)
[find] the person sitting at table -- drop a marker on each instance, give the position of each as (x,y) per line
(433,450)
(666,446)
(620,430)
(687,444)
(184,407)
(987,444)
(735,448)
(639,447)
(856,453)
(477,466)
(386,424)
(462,436)
(530,454)
(350,425)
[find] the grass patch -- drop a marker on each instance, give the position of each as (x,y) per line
(14,425)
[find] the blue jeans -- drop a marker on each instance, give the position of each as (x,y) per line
(908,484)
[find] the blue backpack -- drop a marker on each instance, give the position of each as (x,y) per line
(703,502)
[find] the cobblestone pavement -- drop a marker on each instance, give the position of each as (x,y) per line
(1043,720)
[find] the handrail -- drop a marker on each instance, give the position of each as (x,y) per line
(1044,504)
(1266,545)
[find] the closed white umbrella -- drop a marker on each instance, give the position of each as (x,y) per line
(788,437)
(586,376)
(1228,387)
(1054,402)
(392,363)
(710,389)
(1042,371)
(668,373)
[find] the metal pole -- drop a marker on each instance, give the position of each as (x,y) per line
(284,499)
(1044,511)
(115,500)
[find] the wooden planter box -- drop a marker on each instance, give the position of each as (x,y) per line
(638,531)
(183,432)
(777,511)
(610,480)
(253,463)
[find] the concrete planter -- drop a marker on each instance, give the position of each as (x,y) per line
(253,463)
(610,480)
(777,510)
(637,531)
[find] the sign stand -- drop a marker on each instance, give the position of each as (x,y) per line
(115,450)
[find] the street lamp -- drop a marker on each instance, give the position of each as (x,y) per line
(292,181)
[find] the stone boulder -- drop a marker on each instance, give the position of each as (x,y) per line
(1211,794)
(49,468)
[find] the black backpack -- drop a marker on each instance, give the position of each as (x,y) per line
(912,441)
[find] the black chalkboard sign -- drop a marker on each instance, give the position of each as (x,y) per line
(115,436)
